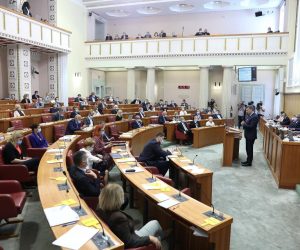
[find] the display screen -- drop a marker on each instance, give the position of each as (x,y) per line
(247,74)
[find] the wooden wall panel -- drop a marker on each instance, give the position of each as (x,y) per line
(292,104)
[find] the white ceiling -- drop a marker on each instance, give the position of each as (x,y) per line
(140,8)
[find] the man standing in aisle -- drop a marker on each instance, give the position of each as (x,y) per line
(250,133)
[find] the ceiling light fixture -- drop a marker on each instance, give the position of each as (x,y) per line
(182,7)
(216,5)
(149,10)
(117,13)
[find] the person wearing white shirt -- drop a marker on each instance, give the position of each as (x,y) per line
(18,111)
(210,122)
(93,161)
(182,111)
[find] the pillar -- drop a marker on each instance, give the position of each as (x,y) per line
(19,71)
(203,87)
(131,84)
(226,91)
(52,13)
(62,75)
(53,75)
(150,85)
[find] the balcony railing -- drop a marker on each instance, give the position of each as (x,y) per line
(217,45)
(15,26)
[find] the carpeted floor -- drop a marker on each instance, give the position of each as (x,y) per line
(264,217)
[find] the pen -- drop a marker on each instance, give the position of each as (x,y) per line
(69,223)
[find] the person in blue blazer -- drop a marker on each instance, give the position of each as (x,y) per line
(36,138)
(250,132)
(74,125)
(137,123)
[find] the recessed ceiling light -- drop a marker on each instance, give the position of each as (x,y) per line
(118,13)
(216,5)
(148,10)
(181,7)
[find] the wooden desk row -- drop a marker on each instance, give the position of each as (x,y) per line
(50,195)
(283,157)
(180,217)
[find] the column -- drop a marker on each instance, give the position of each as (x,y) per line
(226,91)
(53,75)
(52,13)
(19,71)
(204,87)
(150,85)
(62,88)
(131,84)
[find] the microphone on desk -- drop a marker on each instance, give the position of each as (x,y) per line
(103,233)
(67,188)
(194,159)
(65,174)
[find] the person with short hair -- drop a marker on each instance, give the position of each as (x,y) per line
(199,32)
(109,209)
(162,119)
(115,109)
(284,119)
(74,112)
(295,124)
(36,138)
(250,132)
(25,99)
(74,125)
(153,155)
(210,122)
(26,9)
(35,96)
(59,115)
(12,153)
(119,115)
(18,111)
(93,98)
(137,123)
(85,180)
(182,111)
(88,121)
(78,98)
(195,123)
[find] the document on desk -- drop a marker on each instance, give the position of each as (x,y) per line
(161,197)
(54,150)
(124,160)
(60,215)
(168,203)
(76,237)
(198,171)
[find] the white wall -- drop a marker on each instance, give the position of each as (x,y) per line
(72,17)
(118,82)
(39,9)
(3,73)
(140,83)
(229,22)
(216,75)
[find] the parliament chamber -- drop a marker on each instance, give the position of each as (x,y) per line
(123,125)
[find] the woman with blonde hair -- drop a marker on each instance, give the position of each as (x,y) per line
(12,153)
(18,111)
(109,209)
(119,115)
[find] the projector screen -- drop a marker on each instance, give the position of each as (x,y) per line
(247,74)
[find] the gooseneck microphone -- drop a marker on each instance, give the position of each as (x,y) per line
(67,188)
(65,174)
(194,159)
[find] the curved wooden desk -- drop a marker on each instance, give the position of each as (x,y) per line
(50,195)
(180,217)
(205,136)
(137,138)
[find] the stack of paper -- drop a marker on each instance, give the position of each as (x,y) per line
(156,186)
(161,197)
(76,237)
(91,222)
(124,160)
(60,215)
(210,221)
(55,161)
(68,202)
(168,203)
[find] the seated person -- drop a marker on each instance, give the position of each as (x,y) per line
(172,104)
(108,37)
(78,98)
(141,112)
(57,104)
(124,36)
(93,97)
(147,35)
(206,33)
(199,33)
(217,114)
(269,30)
(89,121)
(101,106)
(153,155)
(83,104)
(175,116)
(12,153)
(85,180)
(198,114)
(162,119)
(36,138)
(59,115)
(284,119)
(104,135)
(184,104)
(137,123)
(74,125)
(35,96)
(26,99)
(210,122)
(295,124)
(119,115)
(93,161)
(96,111)
(122,225)
(117,101)
(18,111)
(195,123)
(162,34)
(26,8)
(183,127)
(74,112)
(39,103)
(136,101)
(115,109)
(182,111)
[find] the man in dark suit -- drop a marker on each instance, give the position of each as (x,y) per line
(217,115)
(195,123)
(285,120)
(74,125)
(35,96)
(136,101)
(101,107)
(59,115)
(183,127)
(86,181)
(250,133)
(153,155)
(295,125)
(137,123)
(88,121)
(115,109)
(162,119)
(108,37)
(93,97)
(172,105)
(141,113)
(74,112)
(78,98)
